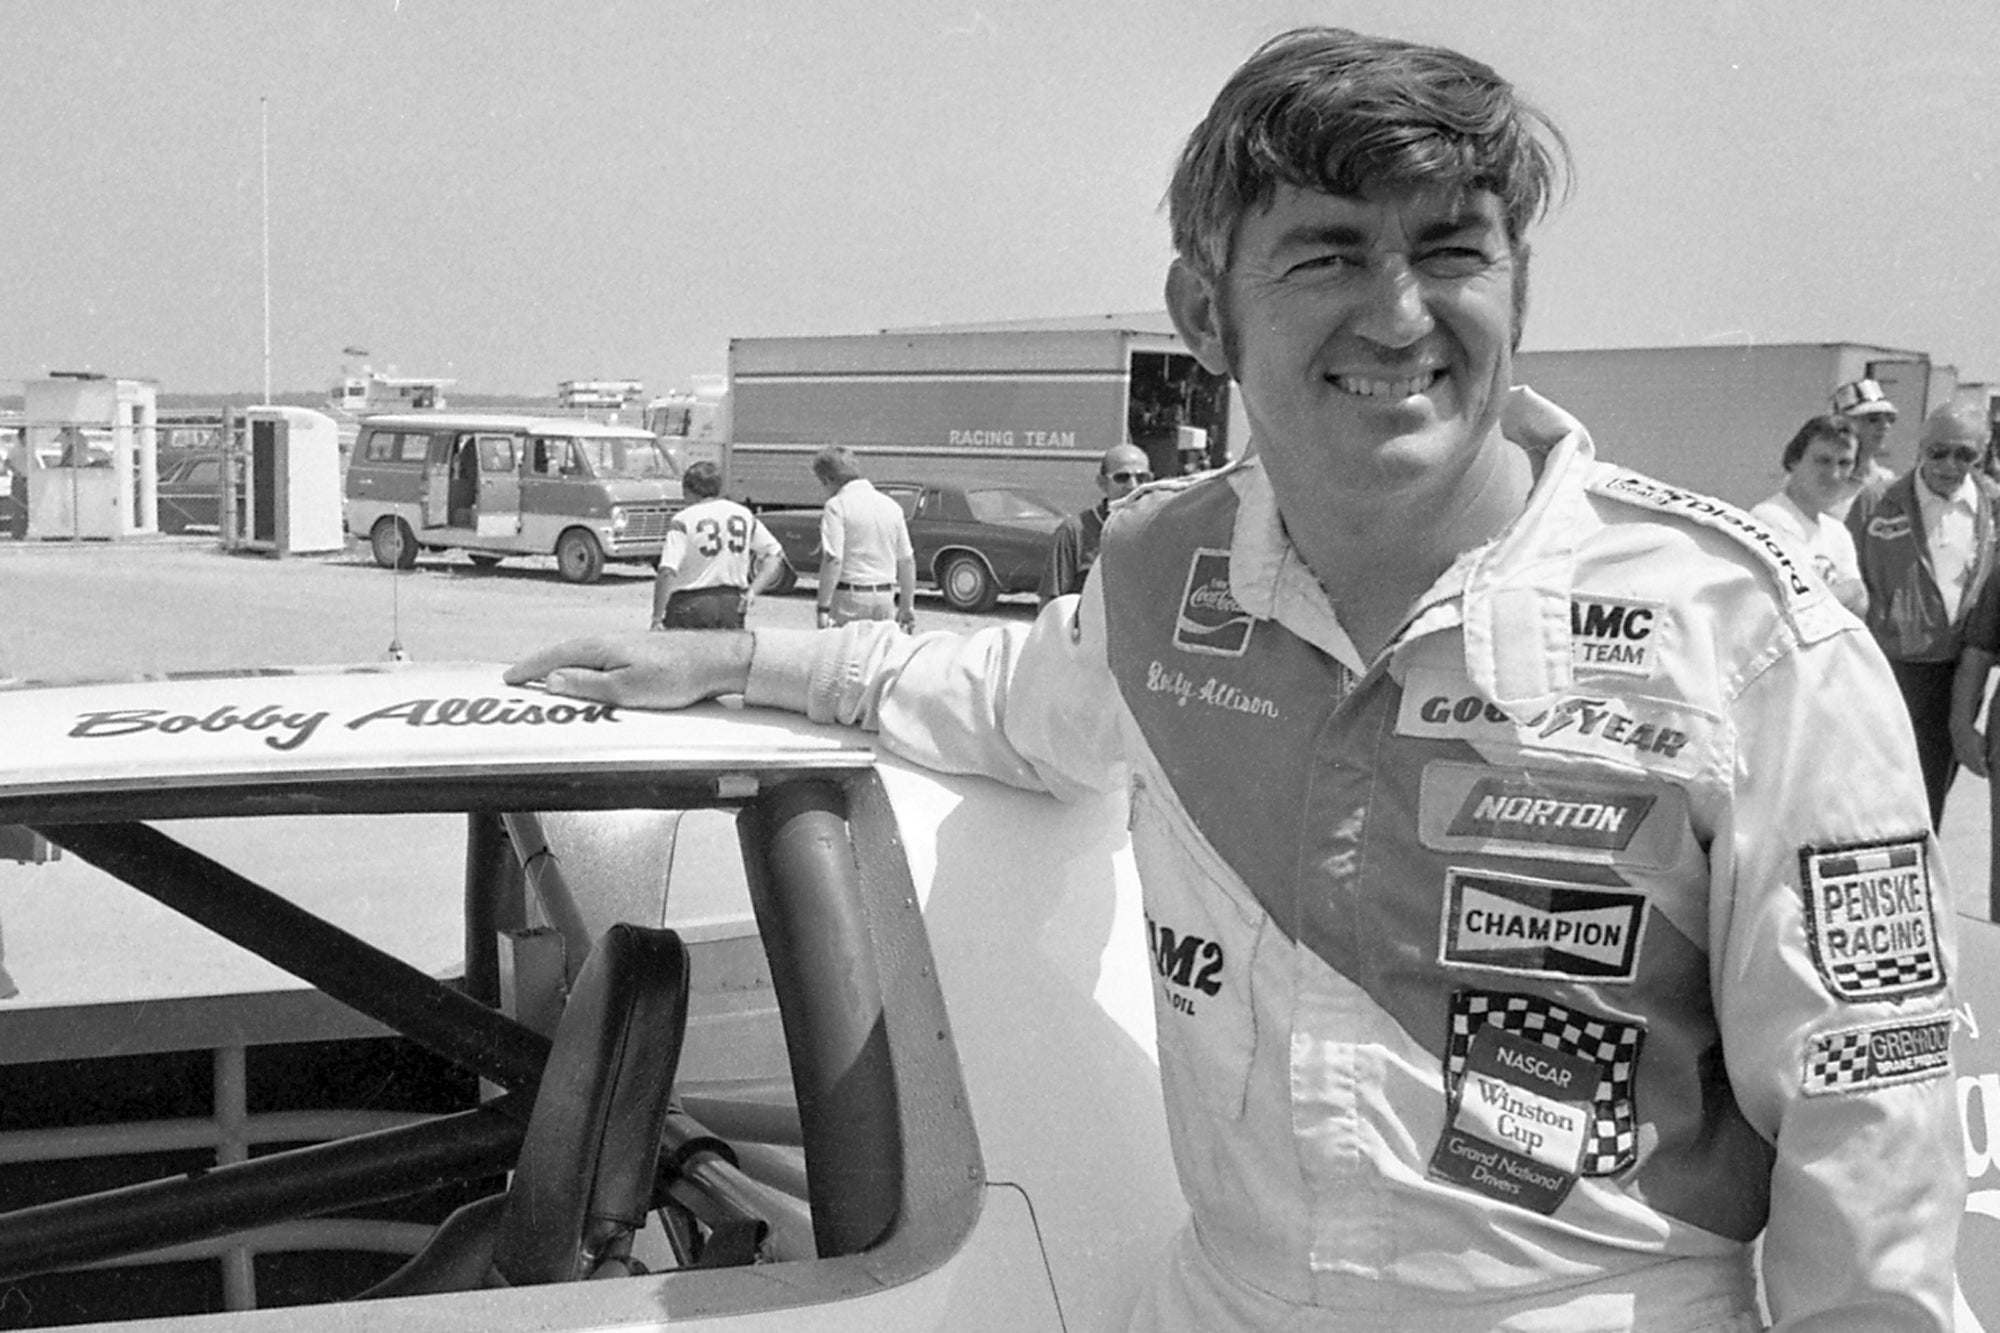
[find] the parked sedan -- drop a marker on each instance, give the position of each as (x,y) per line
(973,543)
(190,490)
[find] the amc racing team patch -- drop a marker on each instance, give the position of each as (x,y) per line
(1872,920)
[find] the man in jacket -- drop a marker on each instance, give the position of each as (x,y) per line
(1925,544)
(1531,950)
(1123,469)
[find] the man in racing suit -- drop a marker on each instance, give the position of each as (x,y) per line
(1523,952)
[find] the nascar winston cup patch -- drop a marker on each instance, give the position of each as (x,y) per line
(1871,919)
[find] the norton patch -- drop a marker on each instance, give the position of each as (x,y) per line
(1530,812)
(1210,619)
(1540,928)
(1872,920)
(1613,636)
(1908,1050)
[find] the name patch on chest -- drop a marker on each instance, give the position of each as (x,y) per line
(1872,919)
(1613,636)
(1540,928)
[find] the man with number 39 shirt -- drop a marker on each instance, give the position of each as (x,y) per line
(1526,953)
(716,560)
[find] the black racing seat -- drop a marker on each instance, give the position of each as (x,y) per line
(584,1180)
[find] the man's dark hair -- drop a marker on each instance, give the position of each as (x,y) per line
(702,479)
(1344,113)
(1825,426)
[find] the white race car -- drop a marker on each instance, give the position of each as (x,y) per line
(502,1011)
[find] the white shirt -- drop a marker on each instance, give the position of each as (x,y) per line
(1825,541)
(1951,528)
(865,531)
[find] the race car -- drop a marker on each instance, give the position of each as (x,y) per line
(396,985)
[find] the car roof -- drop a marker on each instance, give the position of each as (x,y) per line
(370,723)
(504,421)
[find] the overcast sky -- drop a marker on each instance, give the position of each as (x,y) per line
(514,194)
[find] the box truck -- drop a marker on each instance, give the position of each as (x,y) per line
(1027,408)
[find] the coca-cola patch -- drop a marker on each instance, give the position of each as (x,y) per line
(1210,619)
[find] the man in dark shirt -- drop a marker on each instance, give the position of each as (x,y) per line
(1122,470)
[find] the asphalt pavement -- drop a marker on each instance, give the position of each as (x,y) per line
(153,605)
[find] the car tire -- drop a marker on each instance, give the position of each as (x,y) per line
(787,581)
(967,584)
(392,543)
(483,559)
(578,557)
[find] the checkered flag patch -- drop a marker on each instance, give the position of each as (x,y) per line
(1888,976)
(1613,1144)
(1838,1060)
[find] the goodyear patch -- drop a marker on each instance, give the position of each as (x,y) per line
(1908,1050)
(1210,619)
(1871,919)
(1614,636)
(1631,730)
(1611,1139)
(1540,928)
(1465,807)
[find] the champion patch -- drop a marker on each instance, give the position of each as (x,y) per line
(1612,636)
(1611,1140)
(1907,1051)
(1540,928)
(1210,619)
(1872,920)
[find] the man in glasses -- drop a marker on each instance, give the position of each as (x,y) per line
(1524,947)
(1926,546)
(1123,469)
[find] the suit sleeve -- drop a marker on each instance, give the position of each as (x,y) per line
(1032,705)
(1832,945)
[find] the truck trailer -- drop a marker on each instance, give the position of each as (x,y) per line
(1028,408)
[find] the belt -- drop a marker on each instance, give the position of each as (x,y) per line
(844,586)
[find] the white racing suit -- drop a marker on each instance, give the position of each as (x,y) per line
(1521,978)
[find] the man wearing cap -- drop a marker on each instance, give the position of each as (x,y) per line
(1925,543)
(1863,405)
(1123,469)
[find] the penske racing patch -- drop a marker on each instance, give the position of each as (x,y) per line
(1907,1050)
(1871,919)
(1540,928)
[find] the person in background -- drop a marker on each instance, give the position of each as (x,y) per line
(1925,544)
(716,560)
(867,568)
(1818,462)
(1520,929)
(20,460)
(1123,469)
(1862,404)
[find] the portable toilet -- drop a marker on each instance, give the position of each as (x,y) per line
(286,483)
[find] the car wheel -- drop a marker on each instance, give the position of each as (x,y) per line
(482,559)
(578,556)
(393,544)
(966,584)
(787,581)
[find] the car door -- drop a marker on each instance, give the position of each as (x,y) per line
(500,460)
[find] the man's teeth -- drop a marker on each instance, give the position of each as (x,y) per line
(1373,388)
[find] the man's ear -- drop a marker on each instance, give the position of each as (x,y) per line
(1197,314)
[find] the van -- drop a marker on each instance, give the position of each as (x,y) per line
(494,486)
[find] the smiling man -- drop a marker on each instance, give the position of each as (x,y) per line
(1523,953)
